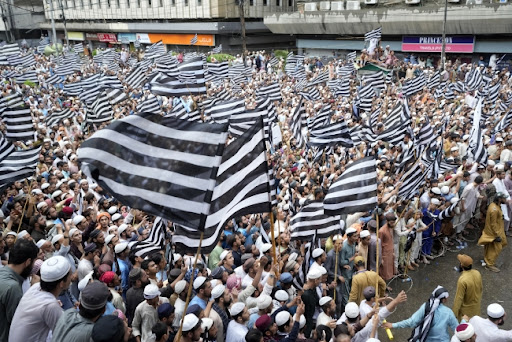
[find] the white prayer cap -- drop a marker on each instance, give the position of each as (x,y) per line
(371,339)
(45,186)
(322,270)
(206,323)
(22,234)
(83,283)
(465,137)
(317,252)
(324,300)
(109,238)
(491,163)
(282,318)
(302,322)
(151,291)
(77,219)
(176,257)
(40,243)
(364,233)
(59,183)
(37,191)
(217,291)
(293,257)
(190,321)
(266,247)
(464,331)
(352,310)
(445,190)
(120,247)
(112,210)
(54,268)
(314,273)
(180,286)
(435,201)
(454,200)
(500,167)
(436,190)
(264,301)
(57,238)
(122,228)
(337,237)
(281,295)
(72,231)
(351,231)
(56,194)
(236,308)
(223,255)
(198,282)
(116,217)
(499,139)
(495,310)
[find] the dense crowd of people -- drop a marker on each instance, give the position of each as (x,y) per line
(67,272)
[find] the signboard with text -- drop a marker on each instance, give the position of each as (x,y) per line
(107,37)
(454,44)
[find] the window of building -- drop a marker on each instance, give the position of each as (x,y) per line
(278,2)
(138,3)
(90,3)
(265,2)
(161,3)
(82,3)
(127,3)
(149,3)
(198,2)
(290,3)
(251,2)
(173,2)
(108,3)
(186,2)
(118,4)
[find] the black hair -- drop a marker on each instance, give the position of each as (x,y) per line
(132,257)
(230,240)
(281,327)
(341,329)
(467,268)
(253,335)
(479,180)
(323,329)
(22,250)
(49,286)
(90,314)
(159,329)
(156,257)
(145,264)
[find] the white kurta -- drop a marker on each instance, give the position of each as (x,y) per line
(487,331)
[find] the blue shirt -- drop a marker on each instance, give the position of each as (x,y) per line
(125,268)
(443,318)
(198,301)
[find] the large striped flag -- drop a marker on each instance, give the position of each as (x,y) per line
(191,80)
(355,190)
(375,80)
(476,147)
(412,180)
(505,121)
(18,122)
(100,110)
(414,85)
(155,50)
(242,187)
(373,34)
(311,219)
(162,165)
(56,117)
(193,41)
(17,165)
(155,241)
(149,105)
(332,134)
(217,49)
(296,123)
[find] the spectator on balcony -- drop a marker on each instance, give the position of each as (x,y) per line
(481,61)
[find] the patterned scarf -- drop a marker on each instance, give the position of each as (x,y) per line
(420,333)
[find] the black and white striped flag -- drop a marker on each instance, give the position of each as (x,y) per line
(78,48)
(351,56)
(149,105)
(18,165)
(116,96)
(191,80)
(56,117)
(412,180)
(310,219)
(6,147)
(476,147)
(219,70)
(434,81)
(296,123)
(217,49)
(505,121)
(414,85)
(162,165)
(100,111)
(155,241)
(273,91)
(355,190)
(193,41)
(242,187)
(332,134)
(365,97)
(155,50)
(375,80)
(10,49)
(18,122)
(221,112)
(373,34)
(474,79)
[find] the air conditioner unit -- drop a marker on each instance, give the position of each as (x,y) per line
(371,2)
(353,5)
(325,5)
(337,6)
(412,2)
(310,7)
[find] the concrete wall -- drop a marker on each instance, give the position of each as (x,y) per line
(418,20)
(163,9)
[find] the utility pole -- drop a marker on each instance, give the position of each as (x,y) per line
(443,49)
(242,24)
(53,27)
(64,22)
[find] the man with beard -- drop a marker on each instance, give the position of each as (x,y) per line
(488,329)
(21,260)
(135,295)
(219,314)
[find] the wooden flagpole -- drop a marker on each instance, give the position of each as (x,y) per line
(272,236)
(189,293)
(335,273)
(377,266)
